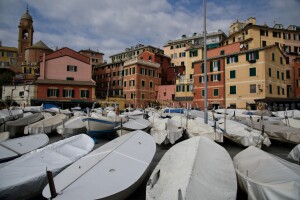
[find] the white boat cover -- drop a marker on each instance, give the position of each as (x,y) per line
(295,153)
(4,136)
(72,126)
(112,171)
(265,176)
(292,122)
(295,114)
(279,132)
(197,168)
(33,108)
(18,146)
(136,114)
(243,134)
(136,124)
(26,176)
(197,127)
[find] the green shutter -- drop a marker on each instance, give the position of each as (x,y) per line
(247,56)
(48,92)
(211,66)
(257,55)
(227,60)
(236,58)
(211,77)
(88,94)
(57,92)
(219,77)
(64,93)
(73,93)
(202,67)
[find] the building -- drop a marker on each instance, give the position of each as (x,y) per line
(254,36)
(183,53)
(65,80)
(95,57)
(21,94)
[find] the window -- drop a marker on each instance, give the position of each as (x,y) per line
(71,68)
(232,89)
(270,89)
(151,84)
(53,93)
(222,52)
(215,77)
(189,88)
(282,76)
(281,60)
(288,75)
(232,59)
(296,49)
(193,53)
(252,71)
(286,36)
(216,92)
(132,70)
(21,94)
(287,60)
(278,90)
(84,93)
(270,72)
(70,79)
(124,83)
(232,74)
(215,66)
(282,91)
(264,43)
(143,96)
(131,83)
(182,63)
(203,93)
(201,79)
(273,57)
(131,95)
(276,34)
(252,56)
(296,37)
(151,72)
(143,83)
(263,32)
(252,88)
(69,93)
(278,75)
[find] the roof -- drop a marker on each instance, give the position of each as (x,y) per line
(138,47)
(91,51)
(26,15)
(3,48)
(65,82)
(65,51)
(40,45)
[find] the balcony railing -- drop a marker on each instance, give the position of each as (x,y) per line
(141,62)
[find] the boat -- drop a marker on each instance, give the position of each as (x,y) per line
(25,177)
(242,134)
(133,125)
(46,125)
(136,114)
(72,126)
(16,127)
(9,114)
(112,171)
(13,148)
(265,176)
(33,108)
(98,125)
(295,153)
(278,132)
(196,168)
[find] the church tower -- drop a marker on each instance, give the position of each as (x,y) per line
(25,37)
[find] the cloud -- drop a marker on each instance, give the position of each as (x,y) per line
(110,26)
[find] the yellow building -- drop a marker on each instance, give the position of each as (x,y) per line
(258,74)
(183,53)
(254,36)
(8,56)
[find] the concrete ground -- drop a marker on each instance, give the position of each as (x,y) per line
(277,148)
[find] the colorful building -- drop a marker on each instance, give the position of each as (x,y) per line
(95,57)
(65,79)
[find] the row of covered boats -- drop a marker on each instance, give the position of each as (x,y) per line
(194,168)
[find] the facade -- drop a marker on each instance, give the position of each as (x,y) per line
(166,95)
(8,56)
(65,79)
(21,94)
(297,76)
(95,57)
(184,52)
(254,36)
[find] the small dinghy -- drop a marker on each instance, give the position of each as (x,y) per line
(72,127)
(16,127)
(113,171)
(12,148)
(133,125)
(265,176)
(26,176)
(197,168)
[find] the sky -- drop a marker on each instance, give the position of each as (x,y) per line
(110,26)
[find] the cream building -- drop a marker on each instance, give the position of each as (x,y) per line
(258,74)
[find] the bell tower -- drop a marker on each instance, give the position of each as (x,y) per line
(25,37)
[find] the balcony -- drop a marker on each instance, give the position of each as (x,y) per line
(141,62)
(252,61)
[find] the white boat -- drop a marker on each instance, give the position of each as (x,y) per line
(98,125)
(278,132)
(4,136)
(9,114)
(197,168)
(26,177)
(133,125)
(265,176)
(46,125)
(72,126)
(33,108)
(242,134)
(295,153)
(113,171)
(136,114)
(291,122)
(12,148)
(16,127)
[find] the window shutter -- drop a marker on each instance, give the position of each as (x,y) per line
(68,67)
(87,94)
(211,66)
(236,58)
(73,93)
(48,92)
(211,77)
(75,68)
(57,92)
(200,79)
(64,93)
(247,56)
(202,67)
(227,60)
(257,55)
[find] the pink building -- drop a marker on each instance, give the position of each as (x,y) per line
(65,80)
(165,94)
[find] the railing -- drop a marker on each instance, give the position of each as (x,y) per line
(141,62)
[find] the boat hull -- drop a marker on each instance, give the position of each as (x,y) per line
(98,127)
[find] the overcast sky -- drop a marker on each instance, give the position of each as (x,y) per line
(110,26)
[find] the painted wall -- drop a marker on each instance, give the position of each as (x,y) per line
(22,94)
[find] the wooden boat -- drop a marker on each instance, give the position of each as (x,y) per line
(46,125)
(136,114)
(25,176)
(16,127)
(113,171)
(133,125)
(71,127)
(197,168)
(97,124)
(265,176)
(16,147)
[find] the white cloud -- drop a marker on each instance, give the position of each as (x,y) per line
(112,25)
